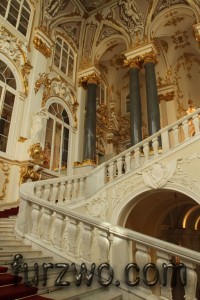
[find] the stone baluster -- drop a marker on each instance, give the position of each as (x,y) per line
(75,189)
(146,151)
(110,170)
(175,135)
(54,192)
(57,229)
(165,140)
(165,288)
(190,287)
(61,192)
(195,119)
(86,242)
(155,145)
(137,157)
(73,232)
(103,246)
(185,129)
(38,190)
(68,191)
(45,225)
(35,217)
(81,187)
(142,257)
(46,192)
(128,161)
(119,166)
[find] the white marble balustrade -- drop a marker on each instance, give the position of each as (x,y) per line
(81,239)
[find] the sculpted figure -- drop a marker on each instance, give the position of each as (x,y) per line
(129,11)
(38,128)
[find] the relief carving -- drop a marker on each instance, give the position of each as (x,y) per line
(4,175)
(97,207)
(158,174)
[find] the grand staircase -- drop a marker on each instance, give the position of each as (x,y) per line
(20,286)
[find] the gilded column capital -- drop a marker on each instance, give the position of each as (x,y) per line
(149,57)
(134,63)
(92,78)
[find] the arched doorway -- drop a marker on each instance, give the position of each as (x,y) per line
(167,215)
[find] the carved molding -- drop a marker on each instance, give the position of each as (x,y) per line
(42,47)
(56,87)
(4,175)
(98,206)
(89,79)
(17,51)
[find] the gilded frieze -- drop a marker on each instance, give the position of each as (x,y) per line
(30,173)
(4,175)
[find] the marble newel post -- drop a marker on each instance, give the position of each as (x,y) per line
(90,81)
(151,93)
(135,101)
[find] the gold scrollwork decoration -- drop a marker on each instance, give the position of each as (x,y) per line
(42,47)
(5,169)
(31,173)
(57,87)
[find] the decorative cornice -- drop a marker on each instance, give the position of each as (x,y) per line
(42,47)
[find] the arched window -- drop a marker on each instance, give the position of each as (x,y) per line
(64,58)
(7,100)
(17,13)
(57,137)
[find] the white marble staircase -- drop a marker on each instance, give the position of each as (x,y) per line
(11,244)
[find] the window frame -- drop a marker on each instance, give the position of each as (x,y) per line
(11,133)
(16,27)
(64,125)
(58,69)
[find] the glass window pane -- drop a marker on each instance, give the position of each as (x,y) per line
(3,142)
(22,29)
(6,113)
(3,66)
(9,99)
(15,4)
(2,10)
(26,5)
(4,127)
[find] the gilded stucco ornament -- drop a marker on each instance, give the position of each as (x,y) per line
(42,47)
(17,51)
(149,57)
(133,62)
(4,175)
(92,78)
(38,155)
(30,173)
(56,87)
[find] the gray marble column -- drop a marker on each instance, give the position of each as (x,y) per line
(90,120)
(152,94)
(135,104)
